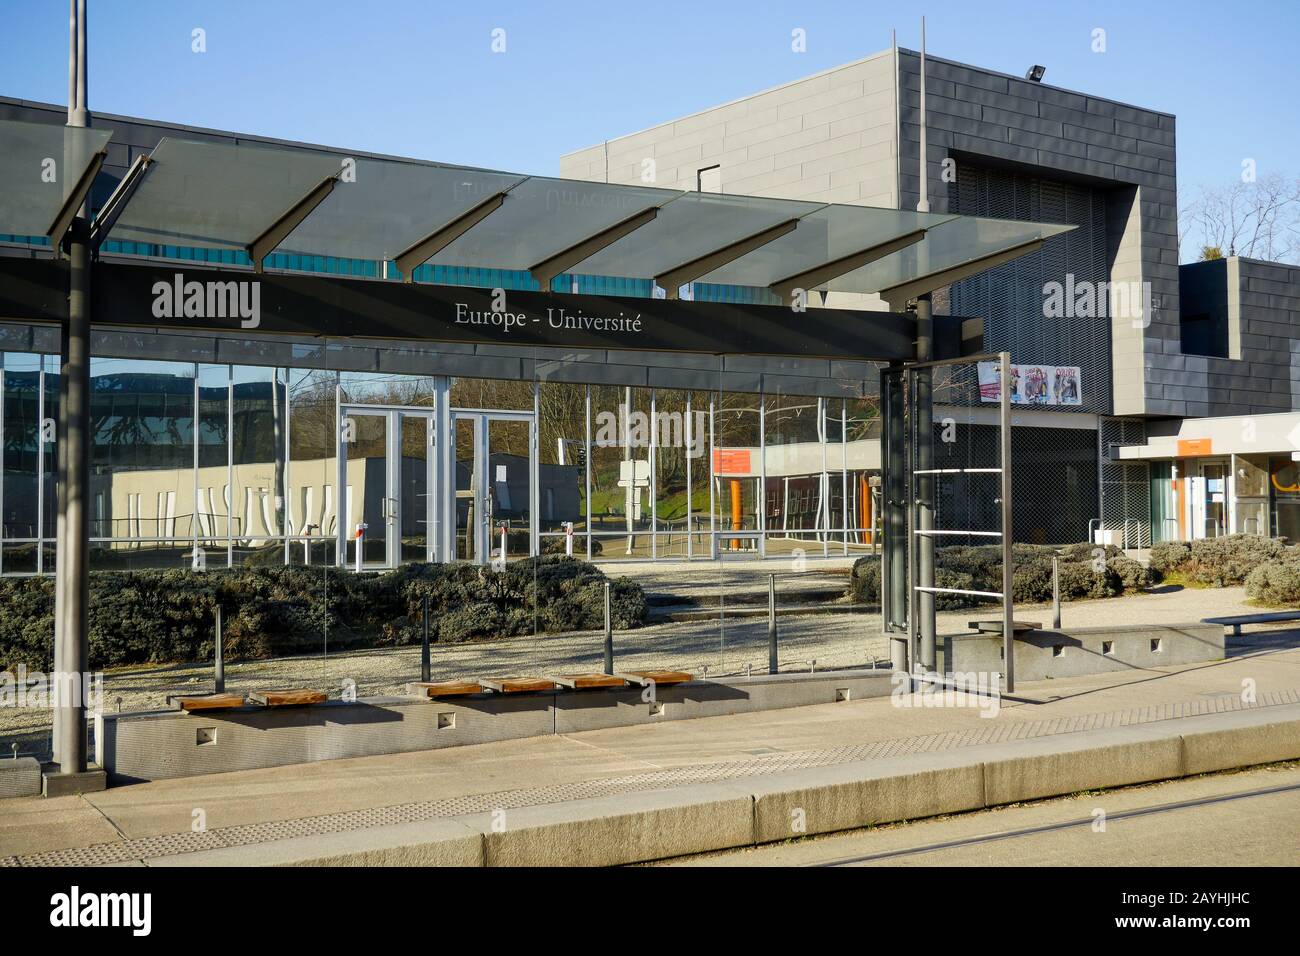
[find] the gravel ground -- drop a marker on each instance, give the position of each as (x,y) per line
(713,647)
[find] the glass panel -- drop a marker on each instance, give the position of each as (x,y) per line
(313,467)
(822,237)
(413,496)
(470,537)
(510,488)
(693,225)
(796,470)
(562,450)
(22,461)
(737,472)
(621,493)
(946,246)
(673,439)
(212,505)
(216,195)
(541,217)
(258,446)
(40,164)
(389,206)
(366,439)
(142,459)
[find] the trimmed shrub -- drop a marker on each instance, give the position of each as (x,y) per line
(980,569)
(165,616)
(1217,562)
(1276,584)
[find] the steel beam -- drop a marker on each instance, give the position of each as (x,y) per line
(108,215)
(288,221)
(559,263)
(421,251)
(673,279)
(820,275)
(898,296)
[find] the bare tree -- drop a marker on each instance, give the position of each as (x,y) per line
(1259,219)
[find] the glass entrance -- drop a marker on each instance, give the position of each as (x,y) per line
(388,476)
(494,486)
(1214,512)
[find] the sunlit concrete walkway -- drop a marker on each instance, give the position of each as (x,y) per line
(247,815)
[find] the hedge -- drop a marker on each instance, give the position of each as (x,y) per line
(166,616)
(1086,571)
(1217,562)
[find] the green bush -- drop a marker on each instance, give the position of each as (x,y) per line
(139,617)
(1276,584)
(1086,571)
(1217,562)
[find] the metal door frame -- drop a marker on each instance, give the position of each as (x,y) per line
(481,419)
(391,510)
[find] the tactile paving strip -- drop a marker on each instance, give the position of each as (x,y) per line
(1000,732)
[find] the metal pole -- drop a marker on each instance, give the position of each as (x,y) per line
(219,656)
(609,635)
(1056,592)
(893,568)
(1008,634)
(772,664)
(424,644)
(925,602)
(71,647)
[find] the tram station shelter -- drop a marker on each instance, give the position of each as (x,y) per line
(322,356)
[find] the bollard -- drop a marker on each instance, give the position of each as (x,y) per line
(568,539)
(220,666)
(772,665)
(424,644)
(361,543)
(1056,593)
(609,635)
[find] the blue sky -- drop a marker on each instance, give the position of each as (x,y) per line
(418,77)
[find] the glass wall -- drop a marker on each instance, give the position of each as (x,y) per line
(205,464)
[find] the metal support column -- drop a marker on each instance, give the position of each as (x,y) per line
(1008,568)
(893,560)
(925,603)
(71,646)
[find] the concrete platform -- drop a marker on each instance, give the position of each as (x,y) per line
(626,794)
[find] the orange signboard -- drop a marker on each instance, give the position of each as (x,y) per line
(731,461)
(1194,447)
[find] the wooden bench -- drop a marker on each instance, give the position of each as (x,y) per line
(518,685)
(293,697)
(589,681)
(646,678)
(995,627)
(207,702)
(1234,623)
(450,688)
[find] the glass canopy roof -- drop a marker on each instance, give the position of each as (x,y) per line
(41,166)
(260,199)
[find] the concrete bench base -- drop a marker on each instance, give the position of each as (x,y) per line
(1048,654)
(157,746)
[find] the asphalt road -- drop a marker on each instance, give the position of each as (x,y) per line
(1248,818)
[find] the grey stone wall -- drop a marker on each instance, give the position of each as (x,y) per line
(993,118)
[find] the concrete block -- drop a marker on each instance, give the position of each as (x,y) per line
(1061,764)
(1242,739)
(20,778)
(55,784)
(827,799)
(615,830)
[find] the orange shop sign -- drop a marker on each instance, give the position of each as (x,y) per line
(731,461)
(1194,447)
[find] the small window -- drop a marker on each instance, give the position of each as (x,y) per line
(1204,334)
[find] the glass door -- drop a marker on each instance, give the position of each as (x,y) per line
(387,464)
(494,486)
(1215,511)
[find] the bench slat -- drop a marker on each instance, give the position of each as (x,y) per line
(292,697)
(451,688)
(209,702)
(518,685)
(656,677)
